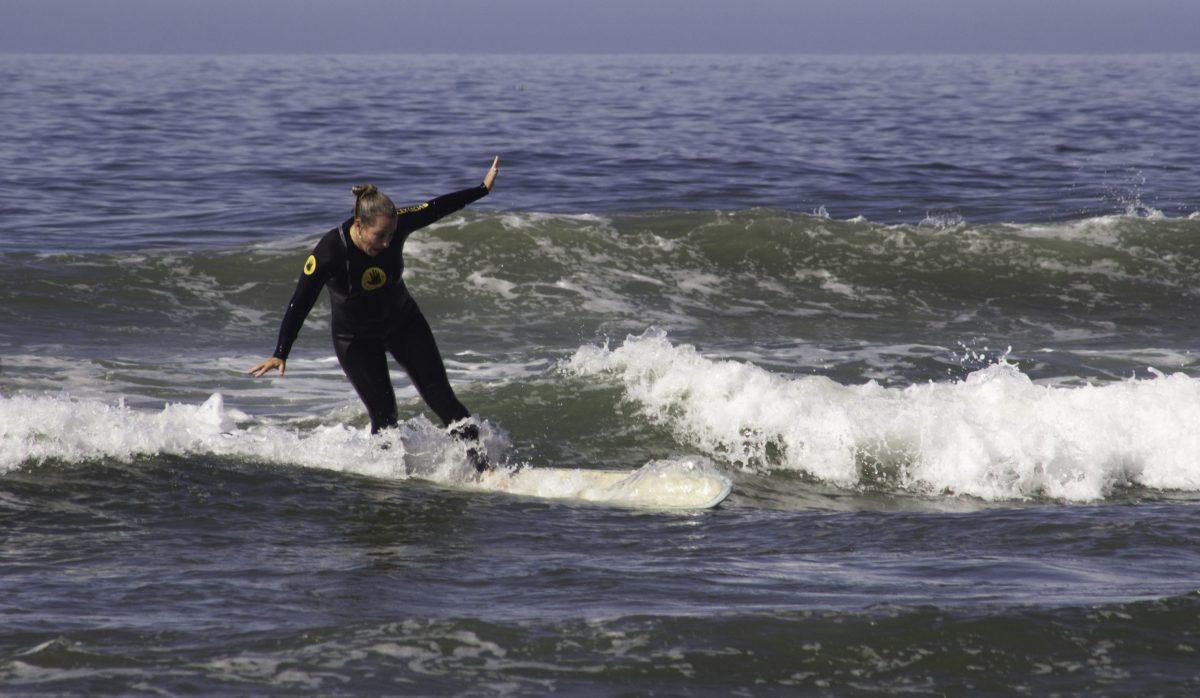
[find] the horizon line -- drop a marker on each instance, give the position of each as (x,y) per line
(211,54)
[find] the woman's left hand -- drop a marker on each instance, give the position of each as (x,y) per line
(490,177)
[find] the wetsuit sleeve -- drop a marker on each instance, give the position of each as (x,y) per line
(421,215)
(317,270)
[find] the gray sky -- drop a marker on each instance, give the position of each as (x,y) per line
(599,26)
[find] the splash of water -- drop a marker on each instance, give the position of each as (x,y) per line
(995,435)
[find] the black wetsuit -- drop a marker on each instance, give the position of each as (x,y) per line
(373,314)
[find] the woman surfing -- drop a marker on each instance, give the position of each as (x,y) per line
(361,261)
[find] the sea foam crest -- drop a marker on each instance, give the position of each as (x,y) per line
(40,429)
(996,435)
(36,429)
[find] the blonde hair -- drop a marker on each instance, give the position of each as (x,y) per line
(370,205)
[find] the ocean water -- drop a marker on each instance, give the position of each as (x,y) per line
(935,317)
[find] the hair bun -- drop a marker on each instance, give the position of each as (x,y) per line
(370,204)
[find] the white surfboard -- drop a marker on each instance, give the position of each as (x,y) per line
(656,485)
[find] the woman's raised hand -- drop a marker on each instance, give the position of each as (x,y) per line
(490,177)
(263,368)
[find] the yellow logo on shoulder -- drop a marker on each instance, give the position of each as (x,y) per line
(412,209)
(310,265)
(373,278)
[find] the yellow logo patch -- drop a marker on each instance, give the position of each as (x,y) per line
(373,278)
(310,265)
(412,209)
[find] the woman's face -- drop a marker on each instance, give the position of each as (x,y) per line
(376,235)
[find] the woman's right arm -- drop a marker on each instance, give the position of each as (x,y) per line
(317,269)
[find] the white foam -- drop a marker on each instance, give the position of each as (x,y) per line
(425,248)
(37,429)
(636,276)
(500,287)
(529,219)
(1105,230)
(833,284)
(598,298)
(996,435)
(694,281)
(1146,355)
(44,428)
(942,221)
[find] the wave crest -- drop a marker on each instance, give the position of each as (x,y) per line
(39,429)
(996,435)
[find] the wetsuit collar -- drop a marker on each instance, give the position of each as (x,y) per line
(344,236)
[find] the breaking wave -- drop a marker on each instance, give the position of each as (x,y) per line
(995,435)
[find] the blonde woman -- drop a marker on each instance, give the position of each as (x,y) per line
(361,262)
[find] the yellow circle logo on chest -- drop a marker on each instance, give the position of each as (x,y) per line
(373,278)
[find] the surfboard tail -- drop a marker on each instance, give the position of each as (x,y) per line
(666,484)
